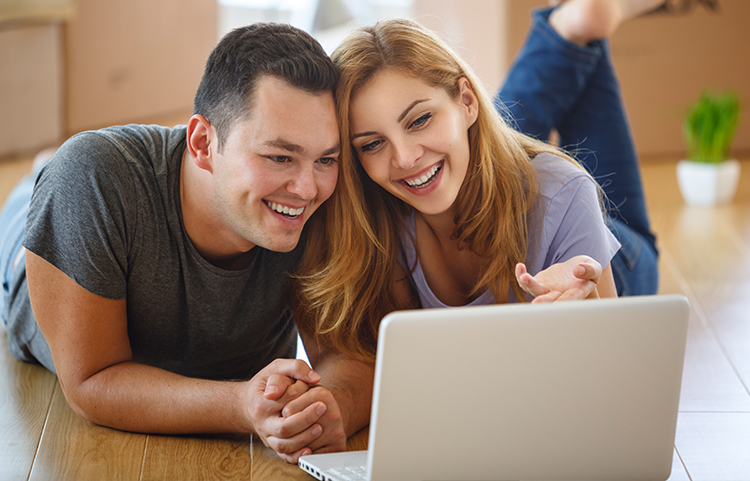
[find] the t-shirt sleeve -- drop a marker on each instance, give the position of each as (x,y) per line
(574,223)
(79,216)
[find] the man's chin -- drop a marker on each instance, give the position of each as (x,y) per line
(284,245)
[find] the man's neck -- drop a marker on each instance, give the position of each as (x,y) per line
(202,223)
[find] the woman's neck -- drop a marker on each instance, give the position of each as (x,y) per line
(451,273)
(442,226)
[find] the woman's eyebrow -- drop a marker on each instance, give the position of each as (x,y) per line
(363,134)
(400,118)
(411,106)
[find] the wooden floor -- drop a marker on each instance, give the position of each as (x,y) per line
(705,255)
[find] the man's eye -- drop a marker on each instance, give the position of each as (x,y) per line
(327,160)
(371,146)
(421,120)
(280,158)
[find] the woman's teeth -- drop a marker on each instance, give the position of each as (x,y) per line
(426,178)
(285,209)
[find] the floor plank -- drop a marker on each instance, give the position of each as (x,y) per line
(74,449)
(197,457)
(726,307)
(25,395)
(715,446)
(709,382)
(267,465)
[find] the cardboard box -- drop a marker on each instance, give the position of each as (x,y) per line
(136,60)
(31,90)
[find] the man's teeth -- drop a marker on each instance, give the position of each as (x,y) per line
(285,209)
(425,179)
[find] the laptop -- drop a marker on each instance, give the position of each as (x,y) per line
(584,390)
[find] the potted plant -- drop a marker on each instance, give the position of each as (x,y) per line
(708,176)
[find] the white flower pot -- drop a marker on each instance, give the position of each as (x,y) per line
(705,184)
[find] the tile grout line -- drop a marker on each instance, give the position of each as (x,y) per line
(44,429)
(695,305)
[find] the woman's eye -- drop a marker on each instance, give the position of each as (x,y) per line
(371,146)
(421,120)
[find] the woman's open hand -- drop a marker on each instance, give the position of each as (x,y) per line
(573,279)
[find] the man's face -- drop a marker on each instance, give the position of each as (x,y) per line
(277,166)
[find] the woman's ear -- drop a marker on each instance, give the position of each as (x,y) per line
(468,100)
(202,142)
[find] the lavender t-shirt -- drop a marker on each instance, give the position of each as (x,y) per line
(566,222)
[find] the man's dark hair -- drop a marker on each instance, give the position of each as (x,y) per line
(247,53)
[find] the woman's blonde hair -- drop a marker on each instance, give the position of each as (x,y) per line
(347,278)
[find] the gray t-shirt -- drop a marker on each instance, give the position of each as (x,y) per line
(565,222)
(106,211)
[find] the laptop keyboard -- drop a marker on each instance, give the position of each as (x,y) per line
(350,473)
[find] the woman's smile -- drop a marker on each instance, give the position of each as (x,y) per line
(425,179)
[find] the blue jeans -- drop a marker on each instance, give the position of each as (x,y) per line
(12,226)
(555,84)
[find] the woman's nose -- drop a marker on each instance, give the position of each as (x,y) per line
(406,154)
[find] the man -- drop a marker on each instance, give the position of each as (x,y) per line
(157,260)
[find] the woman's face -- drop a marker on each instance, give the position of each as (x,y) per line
(412,139)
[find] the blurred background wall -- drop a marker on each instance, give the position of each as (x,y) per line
(72,65)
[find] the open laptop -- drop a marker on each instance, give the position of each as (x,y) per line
(576,390)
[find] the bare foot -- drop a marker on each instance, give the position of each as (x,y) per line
(582,21)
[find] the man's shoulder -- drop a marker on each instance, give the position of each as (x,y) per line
(114,151)
(131,139)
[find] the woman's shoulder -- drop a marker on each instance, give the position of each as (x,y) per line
(555,173)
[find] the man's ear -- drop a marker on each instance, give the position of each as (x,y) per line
(468,100)
(202,142)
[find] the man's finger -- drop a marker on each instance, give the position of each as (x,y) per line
(294,457)
(293,445)
(295,423)
(276,386)
(295,369)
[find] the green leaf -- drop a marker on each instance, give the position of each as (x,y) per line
(710,125)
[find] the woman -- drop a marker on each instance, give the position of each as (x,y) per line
(439,201)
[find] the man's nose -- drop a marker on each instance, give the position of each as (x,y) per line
(303,184)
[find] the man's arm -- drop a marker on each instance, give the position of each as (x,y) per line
(88,338)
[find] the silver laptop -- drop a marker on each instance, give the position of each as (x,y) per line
(579,390)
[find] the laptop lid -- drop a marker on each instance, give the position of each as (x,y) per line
(576,390)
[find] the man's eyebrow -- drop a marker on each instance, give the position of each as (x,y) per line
(400,118)
(333,150)
(283,144)
(297,149)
